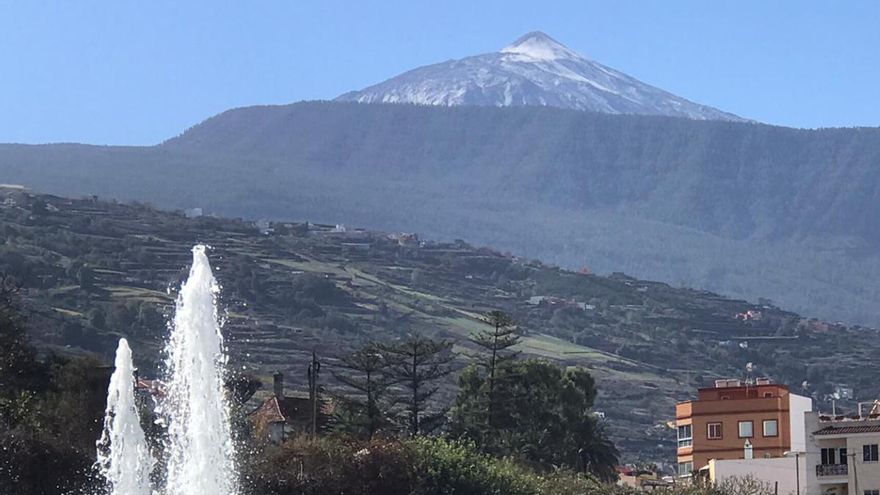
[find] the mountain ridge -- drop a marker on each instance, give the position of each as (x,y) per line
(747,210)
(533,70)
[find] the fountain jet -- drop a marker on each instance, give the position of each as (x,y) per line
(124,458)
(201,452)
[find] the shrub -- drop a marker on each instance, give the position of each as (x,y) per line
(329,466)
(456,467)
(418,466)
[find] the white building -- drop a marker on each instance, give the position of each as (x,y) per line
(842,455)
(779,473)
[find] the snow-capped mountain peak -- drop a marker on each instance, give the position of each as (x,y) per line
(533,70)
(537,46)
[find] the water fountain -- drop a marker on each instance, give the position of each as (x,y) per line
(123,455)
(199,448)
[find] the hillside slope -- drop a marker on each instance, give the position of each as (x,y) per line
(742,181)
(743,209)
(93,271)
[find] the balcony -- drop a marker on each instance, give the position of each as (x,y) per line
(832,470)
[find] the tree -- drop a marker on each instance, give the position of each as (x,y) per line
(469,418)
(242,386)
(86,278)
(596,453)
(365,411)
(20,372)
(544,420)
(416,364)
(72,332)
(120,318)
(243,279)
(148,321)
(320,290)
(496,342)
(744,485)
(97,318)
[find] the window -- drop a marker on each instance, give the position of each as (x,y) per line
(685,468)
(869,453)
(829,456)
(771,428)
(872,492)
(745,429)
(714,431)
(685,436)
(843,456)
(768,395)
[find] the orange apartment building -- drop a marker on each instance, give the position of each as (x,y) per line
(736,420)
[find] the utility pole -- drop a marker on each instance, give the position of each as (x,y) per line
(855,471)
(314,369)
(797,467)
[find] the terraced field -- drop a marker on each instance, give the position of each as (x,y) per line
(93,271)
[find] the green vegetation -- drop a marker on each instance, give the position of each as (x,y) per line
(539,415)
(497,356)
(418,466)
(415,365)
(533,412)
(50,412)
(428,466)
(364,410)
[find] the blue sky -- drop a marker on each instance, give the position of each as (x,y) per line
(137,72)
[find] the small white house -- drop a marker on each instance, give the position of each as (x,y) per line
(779,473)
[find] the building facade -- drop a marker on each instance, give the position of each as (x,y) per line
(736,420)
(283,416)
(842,455)
(785,475)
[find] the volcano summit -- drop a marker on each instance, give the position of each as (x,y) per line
(533,70)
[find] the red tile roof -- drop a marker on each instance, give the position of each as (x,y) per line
(844,430)
(152,387)
(290,409)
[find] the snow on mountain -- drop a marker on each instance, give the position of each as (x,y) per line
(533,70)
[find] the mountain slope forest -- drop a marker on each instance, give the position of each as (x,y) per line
(747,210)
(92,271)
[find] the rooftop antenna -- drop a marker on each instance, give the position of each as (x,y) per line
(749,380)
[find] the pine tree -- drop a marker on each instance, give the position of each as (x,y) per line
(415,364)
(365,411)
(496,342)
